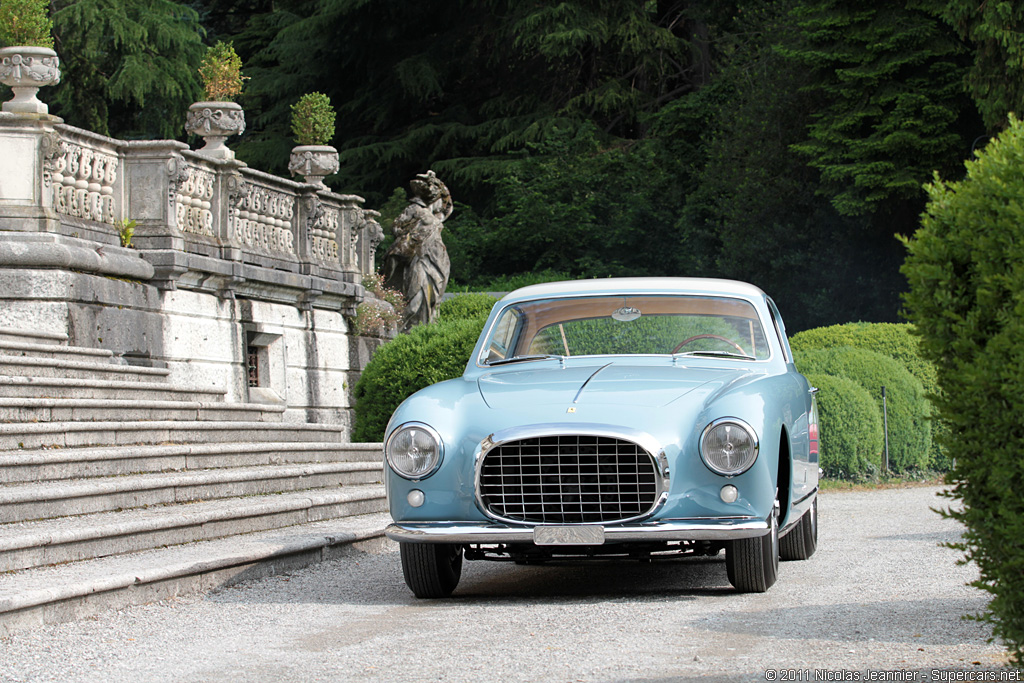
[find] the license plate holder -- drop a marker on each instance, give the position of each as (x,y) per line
(588,534)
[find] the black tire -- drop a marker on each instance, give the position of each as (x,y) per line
(753,563)
(432,570)
(802,540)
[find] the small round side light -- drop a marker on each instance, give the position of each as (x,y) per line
(416,498)
(729,494)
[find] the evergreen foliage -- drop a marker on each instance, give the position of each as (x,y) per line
(996,77)
(750,208)
(908,410)
(851,428)
(313,119)
(128,65)
(887,77)
(25,23)
(463,82)
(966,274)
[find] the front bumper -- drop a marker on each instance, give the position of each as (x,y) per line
(663,530)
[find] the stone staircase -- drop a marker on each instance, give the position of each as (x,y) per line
(118,487)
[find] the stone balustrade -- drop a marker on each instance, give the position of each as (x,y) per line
(229,268)
(212,224)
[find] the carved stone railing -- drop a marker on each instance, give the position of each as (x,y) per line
(80,170)
(201,223)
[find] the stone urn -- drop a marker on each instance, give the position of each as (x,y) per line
(26,69)
(314,162)
(215,122)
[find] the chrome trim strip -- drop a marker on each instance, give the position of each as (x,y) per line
(665,530)
(642,439)
(576,398)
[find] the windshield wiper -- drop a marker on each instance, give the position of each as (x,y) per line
(716,354)
(517,359)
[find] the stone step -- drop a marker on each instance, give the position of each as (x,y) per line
(25,366)
(69,539)
(33,435)
(105,410)
(79,463)
(48,500)
(53,351)
(77,590)
(59,387)
(12,334)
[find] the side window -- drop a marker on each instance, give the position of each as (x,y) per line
(501,338)
(780,330)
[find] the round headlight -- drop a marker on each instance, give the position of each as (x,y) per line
(728,446)
(414,450)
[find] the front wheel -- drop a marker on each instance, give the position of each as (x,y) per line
(802,540)
(432,570)
(753,563)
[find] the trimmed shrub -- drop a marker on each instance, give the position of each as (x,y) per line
(966,275)
(426,355)
(466,306)
(850,428)
(910,433)
(899,342)
(895,340)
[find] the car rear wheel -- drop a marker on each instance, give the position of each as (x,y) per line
(753,563)
(802,540)
(432,570)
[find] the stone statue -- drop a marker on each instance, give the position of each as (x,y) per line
(417,263)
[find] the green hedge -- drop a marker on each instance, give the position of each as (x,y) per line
(910,433)
(850,428)
(465,306)
(899,342)
(966,275)
(426,355)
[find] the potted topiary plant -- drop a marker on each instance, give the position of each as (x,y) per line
(219,116)
(27,62)
(313,127)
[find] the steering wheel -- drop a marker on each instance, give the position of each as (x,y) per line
(709,336)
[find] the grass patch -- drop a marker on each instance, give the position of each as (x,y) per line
(883,481)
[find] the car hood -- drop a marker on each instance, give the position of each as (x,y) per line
(605,384)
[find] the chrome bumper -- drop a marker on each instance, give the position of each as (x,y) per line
(665,530)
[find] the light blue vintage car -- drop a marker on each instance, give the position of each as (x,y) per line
(631,418)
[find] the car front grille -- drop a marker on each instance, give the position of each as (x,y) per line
(568,479)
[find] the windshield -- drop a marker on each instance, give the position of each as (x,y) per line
(583,326)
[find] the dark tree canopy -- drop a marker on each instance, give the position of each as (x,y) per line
(782,142)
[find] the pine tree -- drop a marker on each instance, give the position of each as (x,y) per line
(887,77)
(458,84)
(129,66)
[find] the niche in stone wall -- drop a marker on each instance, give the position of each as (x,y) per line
(264,361)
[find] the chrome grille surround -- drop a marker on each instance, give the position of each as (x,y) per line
(570,474)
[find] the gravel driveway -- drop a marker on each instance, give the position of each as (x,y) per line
(880,594)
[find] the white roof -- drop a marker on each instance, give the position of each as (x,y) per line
(636,285)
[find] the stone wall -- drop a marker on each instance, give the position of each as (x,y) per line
(235,278)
